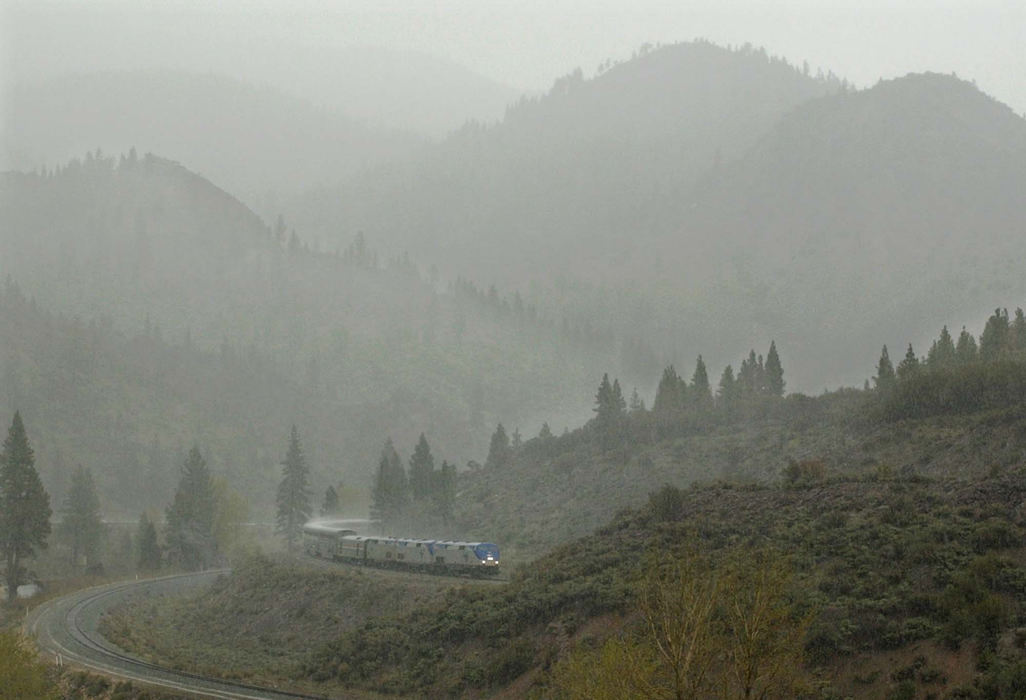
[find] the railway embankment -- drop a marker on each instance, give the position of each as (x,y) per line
(264,623)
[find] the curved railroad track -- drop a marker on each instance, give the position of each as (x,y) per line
(66,627)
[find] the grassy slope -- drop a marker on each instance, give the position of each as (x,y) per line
(896,568)
(566,487)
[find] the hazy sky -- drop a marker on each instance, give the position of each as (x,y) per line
(524,43)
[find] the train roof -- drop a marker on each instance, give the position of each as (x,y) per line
(407,541)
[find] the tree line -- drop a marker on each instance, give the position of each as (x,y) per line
(956,375)
(420,494)
(202,524)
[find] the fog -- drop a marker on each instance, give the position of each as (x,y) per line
(518,292)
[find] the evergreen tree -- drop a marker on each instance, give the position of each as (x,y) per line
(293,499)
(909,366)
(1019,331)
(422,466)
(82,527)
(994,341)
(389,494)
(965,350)
(668,398)
(774,372)
(942,352)
(700,392)
(498,450)
(545,433)
(603,399)
(330,505)
(443,493)
(190,517)
(618,406)
(884,378)
(727,391)
(24,505)
(637,405)
(147,549)
(750,375)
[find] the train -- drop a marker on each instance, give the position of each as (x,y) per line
(334,540)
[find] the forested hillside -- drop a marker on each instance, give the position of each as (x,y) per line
(703,198)
(865,543)
(184,318)
(957,411)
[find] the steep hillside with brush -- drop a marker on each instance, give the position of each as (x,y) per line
(351,348)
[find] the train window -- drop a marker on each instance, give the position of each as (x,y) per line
(418,544)
(462,547)
(400,556)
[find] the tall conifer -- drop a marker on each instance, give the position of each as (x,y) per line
(293,499)
(965,350)
(499,452)
(884,378)
(422,466)
(774,372)
(190,517)
(82,526)
(701,393)
(390,492)
(24,505)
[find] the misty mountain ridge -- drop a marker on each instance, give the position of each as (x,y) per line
(727,185)
(351,348)
(904,198)
(258,142)
(589,162)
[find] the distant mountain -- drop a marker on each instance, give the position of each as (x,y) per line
(863,218)
(566,179)
(260,143)
(408,90)
(201,323)
(708,199)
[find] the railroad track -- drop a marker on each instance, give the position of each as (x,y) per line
(67,628)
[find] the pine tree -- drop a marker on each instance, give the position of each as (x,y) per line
(82,526)
(147,549)
(727,391)
(909,366)
(389,494)
(190,517)
(603,399)
(994,340)
(545,433)
(618,406)
(443,493)
(774,372)
(330,505)
(498,450)
(884,378)
(637,405)
(24,505)
(422,466)
(1019,331)
(965,350)
(293,500)
(700,392)
(667,398)
(942,352)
